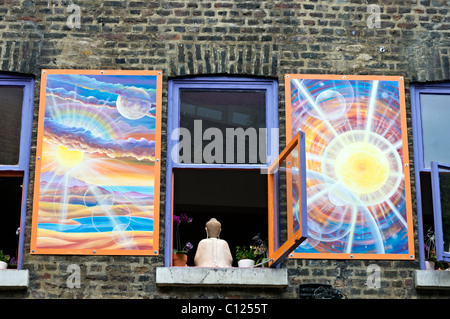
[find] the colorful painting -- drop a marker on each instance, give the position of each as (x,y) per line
(97,163)
(358,187)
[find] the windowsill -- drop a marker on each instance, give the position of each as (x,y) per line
(13,279)
(221,277)
(432,279)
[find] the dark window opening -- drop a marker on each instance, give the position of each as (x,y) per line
(427,202)
(444,188)
(236,198)
(11,199)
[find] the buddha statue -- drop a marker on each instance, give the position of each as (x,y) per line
(213,251)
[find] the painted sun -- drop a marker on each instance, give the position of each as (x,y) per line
(68,158)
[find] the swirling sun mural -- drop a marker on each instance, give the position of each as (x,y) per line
(357,165)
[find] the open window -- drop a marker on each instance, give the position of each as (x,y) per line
(440,188)
(16,115)
(222,137)
(430,107)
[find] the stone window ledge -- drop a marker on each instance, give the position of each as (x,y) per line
(13,279)
(432,279)
(221,277)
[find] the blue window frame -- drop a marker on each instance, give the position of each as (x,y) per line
(17,94)
(176,87)
(430,108)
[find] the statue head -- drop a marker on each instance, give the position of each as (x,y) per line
(213,228)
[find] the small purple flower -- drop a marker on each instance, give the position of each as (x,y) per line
(178,220)
(185,219)
(13,261)
(189,246)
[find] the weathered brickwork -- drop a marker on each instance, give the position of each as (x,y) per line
(262,38)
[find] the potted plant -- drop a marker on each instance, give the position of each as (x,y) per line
(13,263)
(430,250)
(246,256)
(261,251)
(179,256)
(431,262)
(3,260)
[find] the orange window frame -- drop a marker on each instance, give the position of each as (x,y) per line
(279,251)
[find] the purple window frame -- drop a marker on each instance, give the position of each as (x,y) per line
(25,144)
(173,119)
(416,91)
(441,254)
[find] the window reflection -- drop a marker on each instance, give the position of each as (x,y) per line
(435,109)
(10,124)
(238,116)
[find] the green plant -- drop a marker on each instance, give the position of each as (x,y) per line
(4,258)
(430,250)
(246,252)
(430,246)
(261,251)
(257,251)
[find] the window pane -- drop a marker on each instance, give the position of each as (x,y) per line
(10,124)
(294,184)
(444,185)
(289,196)
(289,204)
(287,201)
(285,189)
(435,109)
(217,119)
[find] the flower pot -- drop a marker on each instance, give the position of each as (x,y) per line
(246,263)
(3,265)
(179,260)
(429,265)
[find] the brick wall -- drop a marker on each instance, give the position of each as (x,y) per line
(264,38)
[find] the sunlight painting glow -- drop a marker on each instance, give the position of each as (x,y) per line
(356,188)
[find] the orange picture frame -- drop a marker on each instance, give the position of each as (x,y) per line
(98,155)
(357,154)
